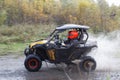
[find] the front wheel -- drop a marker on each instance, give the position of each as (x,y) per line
(88,64)
(32,63)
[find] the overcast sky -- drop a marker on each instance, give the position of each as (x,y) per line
(116,2)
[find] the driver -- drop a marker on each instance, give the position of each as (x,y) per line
(72,37)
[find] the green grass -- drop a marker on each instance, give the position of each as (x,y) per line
(12,48)
(108,77)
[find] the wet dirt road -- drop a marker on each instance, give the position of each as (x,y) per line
(12,68)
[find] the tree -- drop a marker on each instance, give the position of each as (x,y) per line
(104,14)
(2,13)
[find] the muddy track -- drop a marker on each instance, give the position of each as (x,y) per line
(12,68)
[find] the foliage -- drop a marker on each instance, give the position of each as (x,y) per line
(24,33)
(99,15)
(2,16)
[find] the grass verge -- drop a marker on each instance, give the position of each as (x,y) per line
(12,48)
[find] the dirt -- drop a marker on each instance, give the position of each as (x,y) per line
(12,68)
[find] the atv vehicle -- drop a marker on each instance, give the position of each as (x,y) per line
(54,50)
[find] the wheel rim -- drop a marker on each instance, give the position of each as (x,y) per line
(89,65)
(33,63)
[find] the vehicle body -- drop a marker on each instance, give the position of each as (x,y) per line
(54,50)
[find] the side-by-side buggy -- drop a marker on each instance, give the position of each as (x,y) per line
(57,50)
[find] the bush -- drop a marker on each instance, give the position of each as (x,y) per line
(2,16)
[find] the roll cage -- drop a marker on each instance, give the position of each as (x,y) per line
(80,28)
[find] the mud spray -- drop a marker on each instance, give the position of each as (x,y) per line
(107,55)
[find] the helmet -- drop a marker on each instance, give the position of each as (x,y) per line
(73,34)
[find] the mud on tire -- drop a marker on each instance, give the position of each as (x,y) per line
(32,63)
(87,64)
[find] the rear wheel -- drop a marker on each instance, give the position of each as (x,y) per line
(87,64)
(32,63)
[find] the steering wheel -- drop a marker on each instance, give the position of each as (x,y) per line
(57,40)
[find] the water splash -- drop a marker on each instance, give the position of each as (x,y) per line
(107,55)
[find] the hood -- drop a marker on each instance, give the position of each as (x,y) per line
(38,42)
